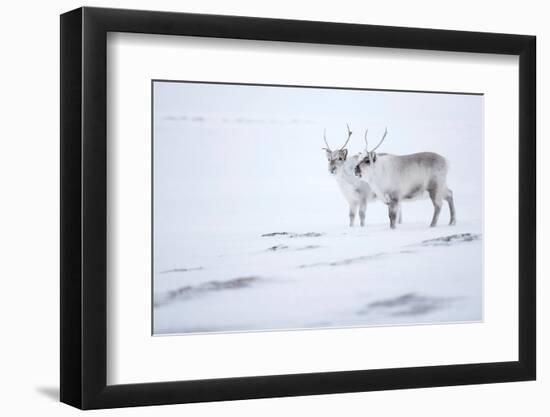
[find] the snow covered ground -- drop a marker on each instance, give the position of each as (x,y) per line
(250,230)
(332,278)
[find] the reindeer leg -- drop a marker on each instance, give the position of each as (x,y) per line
(437,202)
(400,218)
(450,201)
(362,210)
(352,211)
(393,209)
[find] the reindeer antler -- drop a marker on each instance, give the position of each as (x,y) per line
(325,138)
(366,141)
(381,140)
(349,136)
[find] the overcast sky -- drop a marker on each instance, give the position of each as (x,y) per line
(316,105)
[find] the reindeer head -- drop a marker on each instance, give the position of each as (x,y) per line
(368,158)
(337,158)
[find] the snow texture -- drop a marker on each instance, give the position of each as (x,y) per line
(251,231)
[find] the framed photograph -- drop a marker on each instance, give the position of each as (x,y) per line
(257,208)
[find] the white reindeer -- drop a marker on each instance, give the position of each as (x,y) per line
(355,191)
(397,178)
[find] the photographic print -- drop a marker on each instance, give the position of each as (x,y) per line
(288,207)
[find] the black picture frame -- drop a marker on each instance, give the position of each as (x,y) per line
(84,207)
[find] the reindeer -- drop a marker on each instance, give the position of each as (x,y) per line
(397,178)
(355,191)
